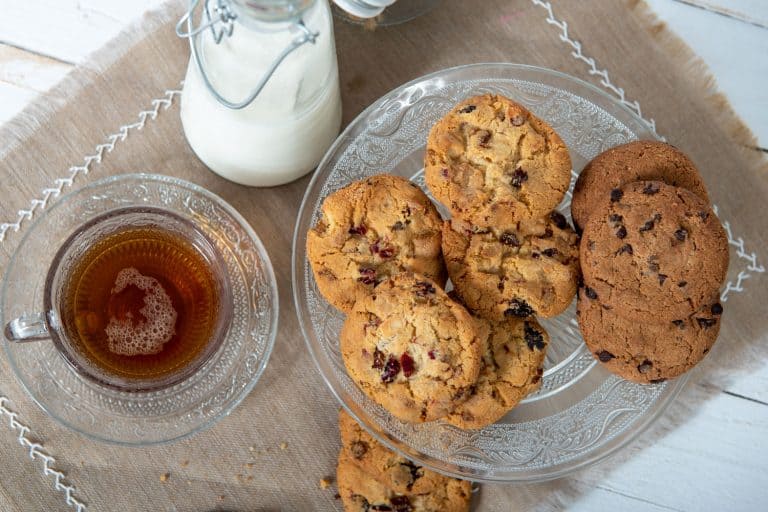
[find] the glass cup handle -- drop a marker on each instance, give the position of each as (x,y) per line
(27,327)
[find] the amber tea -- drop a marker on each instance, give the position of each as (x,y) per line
(142,303)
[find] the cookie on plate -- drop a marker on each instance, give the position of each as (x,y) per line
(392,470)
(369,230)
(360,492)
(533,267)
(654,252)
(642,351)
(411,349)
(513,359)
(642,160)
(493,163)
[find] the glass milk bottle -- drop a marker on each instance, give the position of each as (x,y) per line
(261,101)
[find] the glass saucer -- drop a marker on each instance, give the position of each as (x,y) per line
(582,413)
(168,414)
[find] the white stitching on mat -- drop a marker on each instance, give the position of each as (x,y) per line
(74,171)
(37,450)
(605,81)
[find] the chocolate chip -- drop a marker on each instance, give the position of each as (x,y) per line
(500,286)
(590,293)
(647,226)
(657,381)
(680,324)
(662,278)
(423,288)
(517,120)
(645,366)
(605,356)
(510,239)
(559,220)
(625,249)
(401,504)
(615,217)
(519,308)
(379,508)
(616,195)
(358,449)
(621,233)
(358,230)
(547,232)
(706,323)
(534,338)
(391,369)
(716,309)
(379,359)
(406,363)
(651,188)
(415,471)
(681,234)
(467,109)
(653,263)
(682,283)
(550,252)
(397,226)
(703,215)
(518,178)
(591,245)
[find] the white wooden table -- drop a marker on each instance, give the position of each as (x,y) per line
(719,459)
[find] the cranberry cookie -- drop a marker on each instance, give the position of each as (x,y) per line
(493,163)
(411,348)
(532,267)
(370,230)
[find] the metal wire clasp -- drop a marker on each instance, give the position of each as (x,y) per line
(222,14)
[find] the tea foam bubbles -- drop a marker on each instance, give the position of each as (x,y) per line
(130,338)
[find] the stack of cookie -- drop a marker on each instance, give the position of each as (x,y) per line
(371,477)
(654,257)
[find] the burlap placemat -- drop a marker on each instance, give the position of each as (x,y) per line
(291,403)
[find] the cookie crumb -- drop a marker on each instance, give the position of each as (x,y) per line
(251,448)
(164,477)
(325,483)
(184,463)
(248,465)
(283,445)
(221,497)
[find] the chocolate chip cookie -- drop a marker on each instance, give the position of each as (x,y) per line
(647,352)
(493,163)
(390,469)
(654,252)
(360,492)
(370,230)
(411,349)
(642,160)
(532,267)
(513,357)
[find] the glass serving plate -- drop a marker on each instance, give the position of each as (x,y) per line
(168,414)
(582,413)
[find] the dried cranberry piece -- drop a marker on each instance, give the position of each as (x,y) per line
(535,255)
(550,252)
(510,239)
(559,220)
(387,252)
(358,230)
(431,354)
(518,178)
(616,195)
(423,288)
(391,369)
(621,233)
(379,359)
(605,356)
(651,188)
(681,234)
(533,337)
(467,109)
(401,504)
(716,309)
(589,292)
(645,366)
(444,172)
(367,275)
(406,362)
(519,308)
